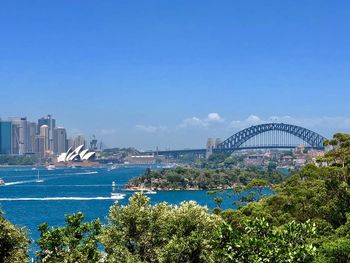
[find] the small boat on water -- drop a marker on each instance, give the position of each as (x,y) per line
(150,192)
(38,180)
(147,191)
(116,195)
(113,167)
(2,182)
(51,167)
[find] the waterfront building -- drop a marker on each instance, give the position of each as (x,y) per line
(143,159)
(19,135)
(5,137)
(59,140)
(77,155)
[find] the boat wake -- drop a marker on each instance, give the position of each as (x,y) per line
(56,198)
(20,182)
(92,172)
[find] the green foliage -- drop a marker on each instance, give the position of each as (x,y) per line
(259,242)
(336,247)
(219,160)
(75,242)
(140,232)
(186,178)
(13,242)
(17,160)
(337,251)
(340,152)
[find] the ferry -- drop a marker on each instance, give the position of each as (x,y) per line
(117,196)
(50,167)
(2,182)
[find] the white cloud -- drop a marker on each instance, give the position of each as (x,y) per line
(193,122)
(214,117)
(253,120)
(241,124)
(150,128)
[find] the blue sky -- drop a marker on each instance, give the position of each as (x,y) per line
(172,73)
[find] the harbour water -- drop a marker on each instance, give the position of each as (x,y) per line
(29,203)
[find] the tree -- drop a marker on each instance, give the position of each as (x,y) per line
(13,242)
(336,249)
(140,232)
(77,242)
(259,242)
(258,184)
(340,152)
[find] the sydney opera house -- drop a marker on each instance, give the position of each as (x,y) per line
(77,155)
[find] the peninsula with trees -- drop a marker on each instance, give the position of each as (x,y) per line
(182,178)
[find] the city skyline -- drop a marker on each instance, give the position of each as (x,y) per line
(42,138)
(172,74)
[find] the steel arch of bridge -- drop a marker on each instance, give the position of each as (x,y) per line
(313,139)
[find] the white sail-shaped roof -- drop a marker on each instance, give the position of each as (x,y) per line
(79,148)
(83,153)
(62,157)
(71,158)
(79,154)
(88,156)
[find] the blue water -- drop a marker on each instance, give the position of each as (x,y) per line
(70,186)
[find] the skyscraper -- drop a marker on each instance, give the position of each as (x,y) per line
(44,133)
(31,132)
(51,123)
(19,135)
(59,140)
(39,144)
(5,137)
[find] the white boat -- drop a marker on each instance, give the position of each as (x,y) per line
(2,182)
(51,167)
(117,196)
(38,180)
(150,192)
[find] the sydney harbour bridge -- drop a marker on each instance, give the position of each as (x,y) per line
(263,136)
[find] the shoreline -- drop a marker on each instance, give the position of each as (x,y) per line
(139,189)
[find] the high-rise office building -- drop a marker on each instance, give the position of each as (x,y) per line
(44,133)
(39,145)
(51,123)
(19,135)
(5,137)
(59,140)
(31,132)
